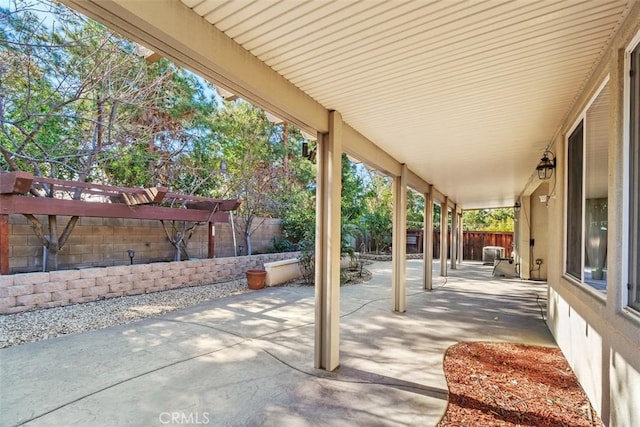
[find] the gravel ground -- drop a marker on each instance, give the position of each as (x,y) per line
(21,328)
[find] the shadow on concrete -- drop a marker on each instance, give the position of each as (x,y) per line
(248,359)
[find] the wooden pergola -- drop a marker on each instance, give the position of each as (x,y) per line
(18,196)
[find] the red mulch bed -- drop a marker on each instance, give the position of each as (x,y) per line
(503,384)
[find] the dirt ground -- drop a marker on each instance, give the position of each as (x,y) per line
(504,384)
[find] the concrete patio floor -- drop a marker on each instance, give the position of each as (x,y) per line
(247,360)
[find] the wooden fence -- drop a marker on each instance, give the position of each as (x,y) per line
(473,243)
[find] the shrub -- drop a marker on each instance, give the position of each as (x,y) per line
(280,244)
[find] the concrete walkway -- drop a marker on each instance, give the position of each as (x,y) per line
(247,360)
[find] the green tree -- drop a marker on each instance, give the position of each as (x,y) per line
(78,103)
(376,223)
(298,203)
(488,220)
(415,209)
(353,192)
(352,204)
(436,216)
(260,166)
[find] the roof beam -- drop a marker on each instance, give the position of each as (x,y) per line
(15,183)
(356,145)
(422,186)
(14,204)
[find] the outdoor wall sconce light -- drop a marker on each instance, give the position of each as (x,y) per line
(547,165)
(516,207)
(132,253)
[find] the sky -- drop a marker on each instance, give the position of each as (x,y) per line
(10,4)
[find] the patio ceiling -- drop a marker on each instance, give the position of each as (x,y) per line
(467,94)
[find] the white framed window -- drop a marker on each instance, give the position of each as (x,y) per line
(587,199)
(632,99)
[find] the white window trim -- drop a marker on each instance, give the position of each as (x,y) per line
(581,118)
(626,137)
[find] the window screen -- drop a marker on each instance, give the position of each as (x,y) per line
(575,154)
(634,180)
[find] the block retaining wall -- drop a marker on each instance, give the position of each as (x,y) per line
(28,291)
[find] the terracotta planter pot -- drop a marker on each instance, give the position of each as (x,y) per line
(256,279)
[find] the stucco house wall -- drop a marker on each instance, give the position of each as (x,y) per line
(598,332)
(540,235)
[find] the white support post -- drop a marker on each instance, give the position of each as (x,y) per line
(444,225)
(524,237)
(399,248)
(460,237)
(327,256)
(454,237)
(517,230)
(427,246)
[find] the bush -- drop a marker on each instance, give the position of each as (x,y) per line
(344,276)
(307,260)
(280,244)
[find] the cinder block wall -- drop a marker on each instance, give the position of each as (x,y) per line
(265,231)
(28,291)
(100,242)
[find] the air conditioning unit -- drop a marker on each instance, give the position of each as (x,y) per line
(492,253)
(504,268)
